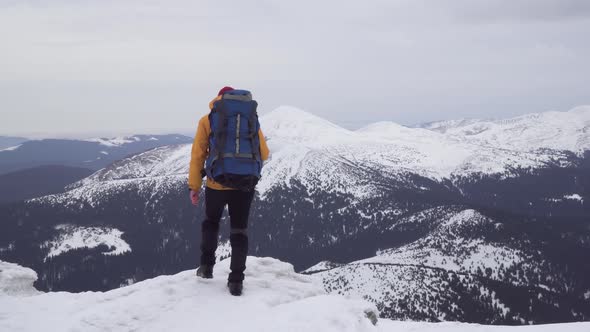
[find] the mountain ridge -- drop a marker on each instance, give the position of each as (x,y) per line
(293,143)
(92,154)
(343,197)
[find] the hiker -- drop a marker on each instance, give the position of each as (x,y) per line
(229,149)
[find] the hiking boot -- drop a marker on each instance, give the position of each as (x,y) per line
(205,272)
(235,287)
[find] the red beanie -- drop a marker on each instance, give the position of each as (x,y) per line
(224,90)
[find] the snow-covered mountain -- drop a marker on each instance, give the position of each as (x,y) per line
(123,140)
(90,153)
(462,216)
(10,143)
(465,257)
(38,181)
(550,130)
(275,299)
(325,157)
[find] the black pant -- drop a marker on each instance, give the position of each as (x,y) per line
(238,203)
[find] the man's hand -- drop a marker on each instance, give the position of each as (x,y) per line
(194,196)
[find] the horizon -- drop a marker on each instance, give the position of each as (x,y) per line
(350,125)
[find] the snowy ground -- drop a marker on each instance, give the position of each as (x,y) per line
(16,281)
(391,326)
(275,299)
(75,237)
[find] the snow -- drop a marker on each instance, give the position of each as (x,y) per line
(74,237)
(317,153)
(574,197)
(292,125)
(530,132)
(326,158)
(12,148)
(321,266)
(16,280)
(114,142)
(453,245)
(162,161)
(275,299)
(223,250)
(8,248)
(393,326)
(444,248)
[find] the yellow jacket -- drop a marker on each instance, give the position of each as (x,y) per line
(200,152)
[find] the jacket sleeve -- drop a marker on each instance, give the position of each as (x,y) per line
(264,152)
(199,153)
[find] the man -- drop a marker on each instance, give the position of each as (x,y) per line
(212,146)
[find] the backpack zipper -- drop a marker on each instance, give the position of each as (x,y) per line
(238,136)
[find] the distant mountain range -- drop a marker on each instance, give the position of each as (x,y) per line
(90,154)
(38,181)
(479,221)
(10,142)
(36,168)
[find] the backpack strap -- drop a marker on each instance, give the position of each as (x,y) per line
(253,131)
(221,133)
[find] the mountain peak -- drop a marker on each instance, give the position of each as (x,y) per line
(581,110)
(395,131)
(296,125)
(529,132)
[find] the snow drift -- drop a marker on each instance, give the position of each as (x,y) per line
(275,299)
(16,280)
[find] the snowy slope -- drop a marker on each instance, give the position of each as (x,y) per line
(163,161)
(433,277)
(328,188)
(550,130)
(275,299)
(11,142)
(393,326)
(306,147)
(456,244)
(74,237)
(12,148)
(326,158)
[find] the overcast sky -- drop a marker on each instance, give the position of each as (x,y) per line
(105,67)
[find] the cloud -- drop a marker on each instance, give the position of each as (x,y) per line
(521,10)
(66,61)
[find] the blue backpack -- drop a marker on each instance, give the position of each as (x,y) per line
(234,146)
